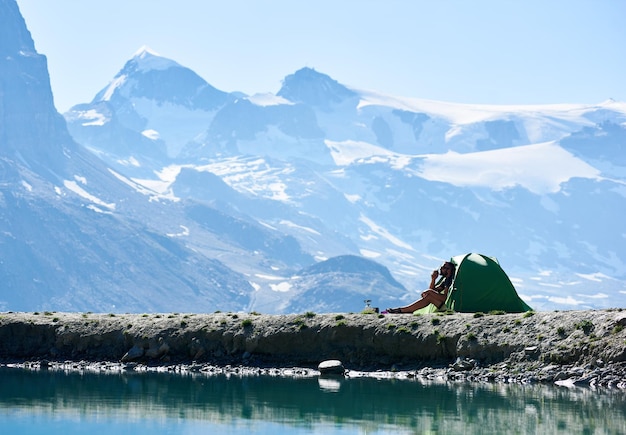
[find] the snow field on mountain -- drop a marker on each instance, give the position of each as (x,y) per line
(540,168)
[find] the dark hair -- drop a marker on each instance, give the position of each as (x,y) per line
(451,265)
(449,279)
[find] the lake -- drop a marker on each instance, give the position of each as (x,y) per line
(58,402)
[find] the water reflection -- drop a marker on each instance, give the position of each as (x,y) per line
(55,402)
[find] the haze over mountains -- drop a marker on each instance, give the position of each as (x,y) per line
(195,199)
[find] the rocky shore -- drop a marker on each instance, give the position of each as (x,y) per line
(570,347)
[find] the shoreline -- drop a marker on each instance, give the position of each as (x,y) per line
(586,348)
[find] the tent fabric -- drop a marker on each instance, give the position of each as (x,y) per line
(480,285)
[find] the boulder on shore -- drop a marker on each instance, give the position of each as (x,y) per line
(331,367)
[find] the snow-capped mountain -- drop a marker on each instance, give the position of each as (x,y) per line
(149,111)
(195,199)
(78,235)
(404,181)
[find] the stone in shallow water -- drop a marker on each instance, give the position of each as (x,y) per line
(331,367)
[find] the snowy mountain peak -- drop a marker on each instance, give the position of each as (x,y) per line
(146,59)
(156,104)
(149,76)
(311,87)
(144,50)
(143,62)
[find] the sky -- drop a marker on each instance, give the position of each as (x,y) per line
(477,52)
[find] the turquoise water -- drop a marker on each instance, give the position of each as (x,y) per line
(55,402)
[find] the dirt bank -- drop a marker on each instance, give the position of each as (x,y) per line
(489,345)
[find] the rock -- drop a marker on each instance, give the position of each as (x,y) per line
(152,353)
(550,368)
(461,365)
(586,380)
(331,367)
(134,353)
(576,372)
(561,376)
(164,348)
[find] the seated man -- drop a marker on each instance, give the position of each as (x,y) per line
(436,293)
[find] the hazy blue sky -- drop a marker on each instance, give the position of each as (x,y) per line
(500,51)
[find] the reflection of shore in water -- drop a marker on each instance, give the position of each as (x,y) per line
(356,403)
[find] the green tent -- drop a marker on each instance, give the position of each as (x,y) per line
(480,285)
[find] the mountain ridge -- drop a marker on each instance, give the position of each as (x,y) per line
(375,158)
(191,201)
(76,234)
